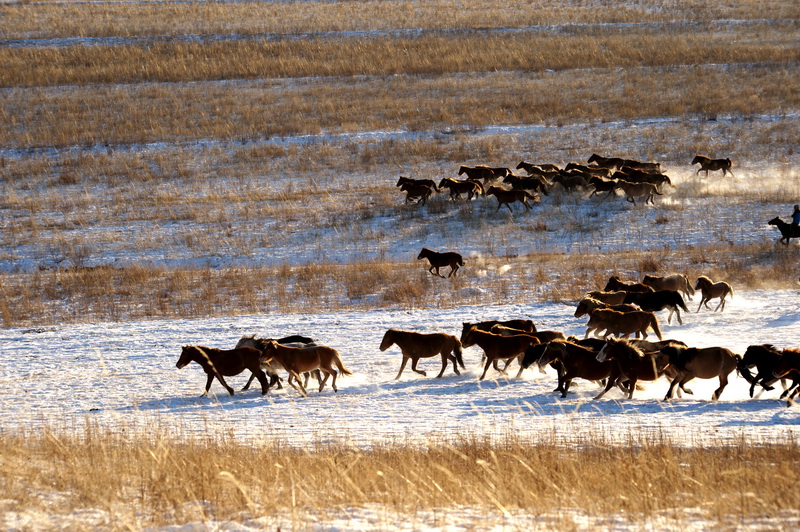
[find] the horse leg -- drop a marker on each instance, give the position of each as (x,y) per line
(262,378)
(723,381)
(721,305)
(329,373)
(249,381)
(445,357)
(565,386)
(672,384)
(221,379)
(294,376)
(414,361)
(486,367)
(519,358)
(631,386)
(209,380)
(609,384)
(402,367)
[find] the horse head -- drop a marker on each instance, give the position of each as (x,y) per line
(388,340)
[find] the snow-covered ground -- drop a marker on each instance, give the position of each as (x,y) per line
(123,376)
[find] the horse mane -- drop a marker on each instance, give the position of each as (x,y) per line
(792,350)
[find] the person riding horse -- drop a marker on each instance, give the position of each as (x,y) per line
(796,218)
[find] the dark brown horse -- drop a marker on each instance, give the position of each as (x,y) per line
(416,345)
(765,359)
(542,169)
(534,183)
(497,347)
(589,304)
(411,181)
(631,363)
(416,191)
(789,365)
(440,260)
(456,188)
(221,363)
(606,162)
(602,184)
(507,197)
(526,326)
(701,363)
(616,284)
(576,360)
(711,290)
(298,360)
(622,323)
(788,231)
(659,300)
(484,172)
(709,164)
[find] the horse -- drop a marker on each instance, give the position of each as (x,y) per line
(577,361)
(456,187)
(602,184)
(526,326)
(765,358)
(534,183)
(507,197)
(709,164)
(609,298)
(789,363)
(616,284)
(676,281)
(297,360)
(572,179)
(788,231)
(294,340)
(416,345)
(659,300)
(408,180)
(543,169)
(596,171)
(497,347)
(417,191)
(631,363)
(640,165)
(638,190)
(222,363)
(622,323)
(711,290)
(484,172)
(542,336)
(701,363)
(634,175)
(440,260)
(589,304)
(606,162)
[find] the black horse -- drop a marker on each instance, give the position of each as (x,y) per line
(659,300)
(787,230)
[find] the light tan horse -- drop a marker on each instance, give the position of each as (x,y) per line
(416,345)
(648,191)
(711,290)
(622,323)
(588,304)
(609,297)
(497,347)
(707,163)
(676,281)
(298,360)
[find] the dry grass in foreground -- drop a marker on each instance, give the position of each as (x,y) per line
(109,481)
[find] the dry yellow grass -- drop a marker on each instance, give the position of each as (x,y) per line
(136,481)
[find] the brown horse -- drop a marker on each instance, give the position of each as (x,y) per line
(440,260)
(765,358)
(601,184)
(484,172)
(542,169)
(622,323)
(606,162)
(534,183)
(222,363)
(642,165)
(709,164)
(616,284)
(294,340)
(526,326)
(589,304)
(631,363)
(411,181)
(596,171)
(701,363)
(416,191)
(542,336)
(416,345)
(609,298)
(456,187)
(659,300)
(497,347)
(507,197)
(577,361)
(648,191)
(789,364)
(297,360)
(676,281)
(711,290)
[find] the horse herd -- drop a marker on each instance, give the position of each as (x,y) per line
(636,179)
(610,357)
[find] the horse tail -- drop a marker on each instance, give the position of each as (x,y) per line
(730,291)
(689,287)
(460,260)
(681,302)
(654,325)
(338,361)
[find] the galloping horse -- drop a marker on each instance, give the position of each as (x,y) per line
(632,191)
(789,363)
(707,163)
(765,358)
(659,300)
(294,340)
(440,260)
(497,347)
(222,363)
(588,304)
(416,345)
(787,230)
(615,283)
(456,187)
(702,363)
(631,363)
(622,323)
(297,360)
(576,361)
(676,281)
(507,197)
(607,162)
(711,290)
